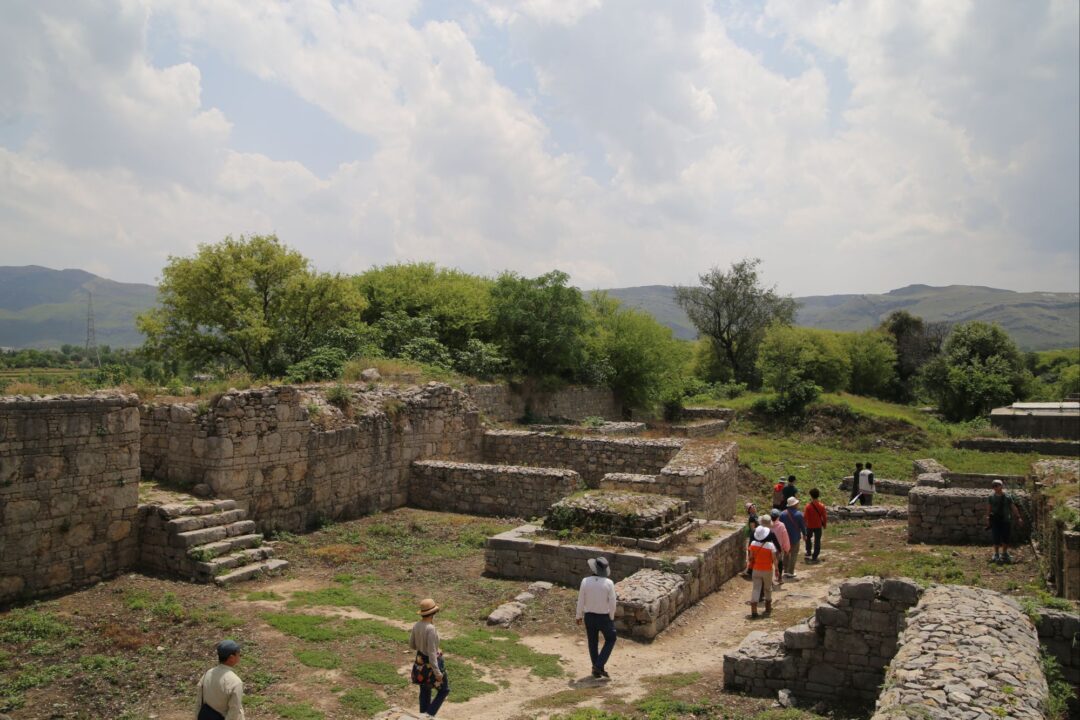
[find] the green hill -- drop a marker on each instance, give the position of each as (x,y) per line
(46,308)
(1036,321)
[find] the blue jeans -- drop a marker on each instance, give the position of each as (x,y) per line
(596,623)
(429,706)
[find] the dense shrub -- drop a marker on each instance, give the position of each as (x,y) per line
(323,363)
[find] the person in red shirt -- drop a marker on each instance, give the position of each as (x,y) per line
(817,518)
(761,557)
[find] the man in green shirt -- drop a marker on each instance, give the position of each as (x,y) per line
(1001,511)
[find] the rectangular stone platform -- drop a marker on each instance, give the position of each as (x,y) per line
(482,489)
(648,601)
(957,516)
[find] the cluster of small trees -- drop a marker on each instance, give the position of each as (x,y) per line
(253,303)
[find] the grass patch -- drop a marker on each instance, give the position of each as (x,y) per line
(503,649)
(465,683)
(167,607)
(319,628)
(364,701)
(375,629)
(924,568)
(262,595)
(375,603)
(28,625)
(379,673)
(301,711)
(323,659)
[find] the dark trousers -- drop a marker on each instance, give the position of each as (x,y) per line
(596,623)
(815,535)
(866,499)
(429,706)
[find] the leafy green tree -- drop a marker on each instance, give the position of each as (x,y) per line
(539,323)
(979,368)
(916,342)
(828,364)
(247,302)
(785,356)
(640,356)
(479,359)
(324,363)
(872,355)
(732,309)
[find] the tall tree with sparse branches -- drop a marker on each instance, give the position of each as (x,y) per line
(732,310)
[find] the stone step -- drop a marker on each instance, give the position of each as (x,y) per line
(209,569)
(204,553)
(188,523)
(203,536)
(203,507)
(247,572)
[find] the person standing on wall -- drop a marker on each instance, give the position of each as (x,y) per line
(866,485)
(817,519)
(596,608)
(221,691)
(1001,513)
(762,554)
(429,670)
(855,483)
(796,526)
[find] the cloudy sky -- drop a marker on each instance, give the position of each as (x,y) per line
(854,146)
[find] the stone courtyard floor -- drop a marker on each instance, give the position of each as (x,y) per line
(328,639)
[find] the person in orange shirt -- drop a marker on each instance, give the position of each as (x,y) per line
(817,519)
(762,558)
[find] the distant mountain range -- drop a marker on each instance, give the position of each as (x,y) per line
(43,308)
(1036,321)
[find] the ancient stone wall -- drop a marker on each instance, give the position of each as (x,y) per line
(69,491)
(502,403)
(956,516)
(261,448)
(1067,448)
(965,653)
(839,654)
(590,457)
(706,476)
(982,481)
(706,413)
(884,486)
(500,490)
(1061,423)
(1056,497)
(1059,635)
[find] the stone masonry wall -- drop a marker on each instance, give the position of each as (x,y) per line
(1059,635)
(500,490)
(69,490)
(956,516)
(261,448)
(1055,483)
(1068,448)
(965,653)
(706,476)
(839,654)
(502,403)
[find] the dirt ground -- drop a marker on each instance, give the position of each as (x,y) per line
(326,641)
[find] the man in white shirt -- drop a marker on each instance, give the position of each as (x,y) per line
(221,692)
(596,606)
(866,485)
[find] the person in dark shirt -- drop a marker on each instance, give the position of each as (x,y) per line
(789,490)
(855,481)
(1000,515)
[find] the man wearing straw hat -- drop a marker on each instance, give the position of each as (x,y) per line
(596,606)
(429,671)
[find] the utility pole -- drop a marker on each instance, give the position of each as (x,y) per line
(91,339)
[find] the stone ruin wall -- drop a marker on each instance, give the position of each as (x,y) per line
(1057,542)
(839,654)
(1036,424)
(965,653)
(957,516)
(69,491)
(1068,448)
(498,490)
(502,403)
(261,448)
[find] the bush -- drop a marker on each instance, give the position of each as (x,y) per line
(785,356)
(479,359)
(427,351)
(339,396)
(872,355)
(324,363)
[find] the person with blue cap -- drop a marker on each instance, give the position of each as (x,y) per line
(221,691)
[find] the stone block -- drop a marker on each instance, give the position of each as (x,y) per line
(864,588)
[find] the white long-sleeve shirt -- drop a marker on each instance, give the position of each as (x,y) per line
(597,595)
(221,689)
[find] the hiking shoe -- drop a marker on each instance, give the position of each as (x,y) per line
(1006,559)
(597,673)
(754,616)
(604,673)
(996,558)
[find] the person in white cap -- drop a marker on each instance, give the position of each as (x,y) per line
(596,608)
(762,557)
(1001,512)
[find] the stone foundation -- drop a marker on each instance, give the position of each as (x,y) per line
(1038,420)
(867,512)
(619,513)
(1059,635)
(951,516)
(883,486)
(706,413)
(839,654)
(700,428)
(502,403)
(965,653)
(608,428)
(69,491)
(1056,483)
(499,490)
(1066,448)
(648,601)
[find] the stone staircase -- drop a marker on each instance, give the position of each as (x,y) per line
(207,541)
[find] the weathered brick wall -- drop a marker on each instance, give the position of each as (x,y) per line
(957,516)
(500,490)
(839,654)
(261,448)
(69,474)
(965,653)
(502,403)
(1068,448)
(592,458)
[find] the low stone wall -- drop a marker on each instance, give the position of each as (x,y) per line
(706,413)
(965,653)
(608,428)
(521,554)
(1059,635)
(700,428)
(1048,422)
(705,475)
(502,403)
(927,465)
(69,491)
(882,485)
(1067,448)
(982,481)
(648,601)
(867,512)
(839,654)
(499,490)
(1055,483)
(955,516)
